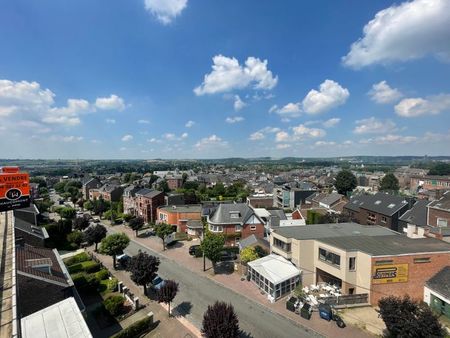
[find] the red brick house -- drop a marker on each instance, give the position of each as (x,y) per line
(174,181)
(438,214)
(179,215)
(147,202)
(236,222)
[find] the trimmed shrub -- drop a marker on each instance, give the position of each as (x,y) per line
(198,252)
(114,304)
(102,274)
(79,280)
(112,284)
(75,268)
(81,257)
(91,267)
(92,283)
(136,329)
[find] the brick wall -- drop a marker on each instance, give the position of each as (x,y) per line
(434,214)
(418,274)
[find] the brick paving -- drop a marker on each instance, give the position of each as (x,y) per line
(179,253)
(168,327)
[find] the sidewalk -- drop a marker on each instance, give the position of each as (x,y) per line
(168,327)
(180,255)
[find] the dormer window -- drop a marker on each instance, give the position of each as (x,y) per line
(235,214)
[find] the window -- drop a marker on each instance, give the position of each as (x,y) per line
(237,228)
(385,262)
(329,257)
(282,245)
(422,260)
(352,263)
(383,219)
(252,227)
(215,228)
(442,222)
(234,214)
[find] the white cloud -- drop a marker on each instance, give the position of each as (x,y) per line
(282,136)
(270,130)
(389,139)
(227,75)
(373,125)
(165,10)
(169,136)
(210,142)
(324,143)
(404,32)
(432,105)
(110,121)
(113,102)
(256,136)
(301,131)
(331,122)
(189,124)
(283,146)
(184,135)
(273,109)
(127,138)
(154,140)
(382,93)
(290,110)
(144,122)
(238,103)
(330,95)
(59,138)
(234,119)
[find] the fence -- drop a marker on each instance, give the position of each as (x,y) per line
(362,298)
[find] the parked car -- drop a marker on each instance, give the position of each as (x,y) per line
(193,249)
(96,220)
(227,256)
(158,283)
(150,232)
(123,260)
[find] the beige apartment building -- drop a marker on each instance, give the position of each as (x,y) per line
(361,259)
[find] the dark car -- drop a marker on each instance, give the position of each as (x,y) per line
(158,282)
(193,249)
(227,256)
(150,232)
(123,260)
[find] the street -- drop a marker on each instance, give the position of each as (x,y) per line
(197,292)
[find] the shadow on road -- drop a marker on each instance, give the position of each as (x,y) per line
(182,309)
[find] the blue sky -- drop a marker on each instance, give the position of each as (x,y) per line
(210,79)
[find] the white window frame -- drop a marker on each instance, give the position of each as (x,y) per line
(252,227)
(354,265)
(215,228)
(238,228)
(441,220)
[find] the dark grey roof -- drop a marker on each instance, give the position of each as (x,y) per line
(150,193)
(194,224)
(381,203)
(417,215)
(443,203)
(39,232)
(387,245)
(252,240)
(278,213)
(31,209)
(440,282)
(109,187)
(318,231)
(241,212)
(331,198)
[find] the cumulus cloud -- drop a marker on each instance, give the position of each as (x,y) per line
(113,102)
(324,143)
(256,136)
(404,32)
(189,124)
(282,136)
(432,105)
(329,95)
(227,75)
(373,125)
(261,134)
(174,137)
(299,133)
(143,121)
(382,93)
(234,119)
(71,138)
(331,122)
(238,103)
(211,142)
(290,110)
(390,139)
(165,10)
(127,138)
(282,146)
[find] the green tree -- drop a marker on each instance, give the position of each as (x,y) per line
(67,213)
(440,169)
(163,186)
(345,182)
(114,245)
(76,238)
(88,205)
(261,251)
(212,246)
(163,230)
(143,268)
(389,183)
(80,223)
(248,254)
(220,321)
(136,224)
(167,292)
(94,234)
(406,318)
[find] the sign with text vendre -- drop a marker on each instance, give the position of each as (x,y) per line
(14,189)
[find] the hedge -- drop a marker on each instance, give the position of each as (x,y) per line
(87,266)
(85,282)
(81,257)
(114,304)
(112,284)
(102,274)
(136,329)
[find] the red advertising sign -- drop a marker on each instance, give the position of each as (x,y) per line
(14,190)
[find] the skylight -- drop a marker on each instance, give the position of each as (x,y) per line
(378,202)
(390,206)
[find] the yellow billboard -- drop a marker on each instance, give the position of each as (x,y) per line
(393,273)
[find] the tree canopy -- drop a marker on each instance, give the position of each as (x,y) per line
(167,293)
(407,318)
(114,245)
(345,182)
(67,213)
(136,224)
(440,169)
(95,234)
(212,246)
(163,230)
(80,223)
(220,321)
(248,254)
(143,268)
(389,183)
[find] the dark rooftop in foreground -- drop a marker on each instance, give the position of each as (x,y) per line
(440,282)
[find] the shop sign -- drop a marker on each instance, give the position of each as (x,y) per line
(14,190)
(393,273)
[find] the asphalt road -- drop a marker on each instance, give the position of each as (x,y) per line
(197,292)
